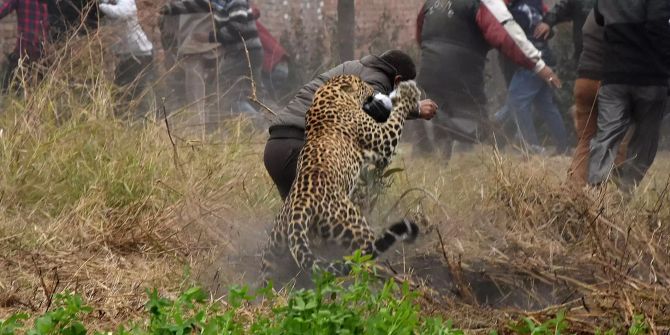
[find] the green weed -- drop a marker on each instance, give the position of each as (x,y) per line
(358,304)
(64,320)
(354,305)
(555,326)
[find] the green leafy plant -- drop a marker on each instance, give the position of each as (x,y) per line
(14,322)
(64,320)
(555,326)
(639,326)
(358,304)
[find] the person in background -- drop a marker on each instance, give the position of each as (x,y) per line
(172,88)
(275,69)
(134,72)
(566,11)
(589,75)
(526,88)
(32,30)
(455,37)
(69,16)
(235,28)
(199,60)
(505,130)
(634,91)
(287,132)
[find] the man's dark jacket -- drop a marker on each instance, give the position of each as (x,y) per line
(66,15)
(590,63)
(453,47)
(571,10)
(637,41)
(371,69)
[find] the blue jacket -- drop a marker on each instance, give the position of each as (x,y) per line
(528,14)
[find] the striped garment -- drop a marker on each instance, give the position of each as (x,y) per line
(233,20)
(31,23)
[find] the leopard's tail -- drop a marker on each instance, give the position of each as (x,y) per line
(404,230)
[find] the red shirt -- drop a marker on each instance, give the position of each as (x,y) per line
(273,52)
(32,25)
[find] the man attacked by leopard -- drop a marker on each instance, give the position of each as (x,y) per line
(287,132)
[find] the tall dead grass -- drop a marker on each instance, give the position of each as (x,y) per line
(104,207)
(517,238)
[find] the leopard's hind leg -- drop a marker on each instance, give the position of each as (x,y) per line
(349,228)
(271,257)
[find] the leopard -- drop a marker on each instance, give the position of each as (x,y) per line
(340,141)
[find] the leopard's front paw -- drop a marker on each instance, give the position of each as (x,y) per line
(406,91)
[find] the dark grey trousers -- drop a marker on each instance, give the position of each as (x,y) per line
(620,107)
(135,76)
(234,79)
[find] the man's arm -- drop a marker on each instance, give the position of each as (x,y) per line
(7,7)
(563,11)
(378,106)
(502,32)
(121,10)
(186,7)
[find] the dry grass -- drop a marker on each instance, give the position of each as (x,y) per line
(92,204)
(512,226)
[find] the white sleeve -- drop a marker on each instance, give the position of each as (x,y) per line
(121,10)
(384,99)
(522,46)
